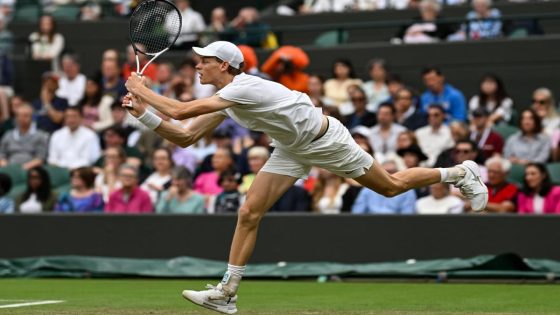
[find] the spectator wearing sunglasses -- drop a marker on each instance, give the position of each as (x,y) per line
(544,105)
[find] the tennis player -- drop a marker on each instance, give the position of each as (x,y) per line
(302,137)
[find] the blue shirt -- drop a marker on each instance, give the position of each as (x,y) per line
(370,202)
(451,99)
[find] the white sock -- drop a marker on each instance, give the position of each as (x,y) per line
(232,278)
(451,174)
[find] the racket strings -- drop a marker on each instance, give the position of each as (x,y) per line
(154,26)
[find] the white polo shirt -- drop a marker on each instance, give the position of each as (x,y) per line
(288,117)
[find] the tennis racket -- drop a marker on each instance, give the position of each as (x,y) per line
(154,27)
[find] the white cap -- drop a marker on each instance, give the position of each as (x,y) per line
(226,51)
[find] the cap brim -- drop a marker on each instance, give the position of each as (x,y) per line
(202,52)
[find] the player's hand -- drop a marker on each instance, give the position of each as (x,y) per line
(134,105)
(134,83)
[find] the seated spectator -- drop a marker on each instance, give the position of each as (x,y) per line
(90,11)
(38,195)
(107,179)
(230,199)
(394,84)
(440,92)
(501,194)
(193,23)
(376,88)
(257,157)
(538,195)
(160,179)
(434,138)
(49,108)
(112,83)
(408,114)
(46,43)
(6,37)
(412,157)
(360,115)
(72,83)
(6,203)
(74,145)
(463,150)
(130,64)
(370,202)
(488,141)
(218,23)
(251,62)
(207,183)
(383,138)
(115,137)
(24,145)
(440,201)
(529,144)
(483,21)
(129,198)
(316,91)
(545,107)
(96,107)
(426,28)
(82,197)
(247,29)
(164,77)
(493,97)
(295,199)
(328,192)
(343,76)
(179,197)
(14,103)
(286,65)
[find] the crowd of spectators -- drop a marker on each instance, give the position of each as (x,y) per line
(116,165)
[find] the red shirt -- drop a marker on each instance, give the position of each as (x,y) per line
(501,194)
(150,72)
(139,201)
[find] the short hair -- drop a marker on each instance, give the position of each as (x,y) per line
(394,78)
(429,69)
(118,130)
(388,105)
(127,166)
(376,61)
(232,70)
(72,56)
(505,164)
(259,151)
(230,173)
(181,172)
(433,3)
(468,141)
(437,106)
(86,174)
(77,109)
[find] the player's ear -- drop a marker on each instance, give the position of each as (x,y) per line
(224,66)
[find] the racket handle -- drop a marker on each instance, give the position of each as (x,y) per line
(129,105)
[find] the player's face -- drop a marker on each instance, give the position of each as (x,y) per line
(209,69)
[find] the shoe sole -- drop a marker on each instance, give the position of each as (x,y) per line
(208,306)
(476,174)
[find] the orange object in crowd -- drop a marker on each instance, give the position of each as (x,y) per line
(296,79)
(150,72)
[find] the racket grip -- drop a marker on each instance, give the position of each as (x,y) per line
(129,105)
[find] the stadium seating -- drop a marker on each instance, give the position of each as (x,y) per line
(60,178)
(554,171)
(505,130)
(19,179)
(516,174)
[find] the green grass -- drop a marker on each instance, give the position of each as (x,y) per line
(128,297)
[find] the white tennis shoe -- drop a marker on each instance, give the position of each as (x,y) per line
(214,299)
(472,186)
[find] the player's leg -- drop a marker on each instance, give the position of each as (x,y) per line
(466,176)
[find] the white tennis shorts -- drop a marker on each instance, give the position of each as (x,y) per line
(336,151)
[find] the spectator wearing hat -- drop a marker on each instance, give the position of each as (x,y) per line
(412,157)
(489,142)
(434,138)
(361,134)
(501,194)
(440,201)
(408,115)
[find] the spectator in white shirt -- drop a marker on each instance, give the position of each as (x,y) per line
(72,83)
(46,43)
(160,179)
(440,201)
(74,145)
(193,23)
(436,136)
(383,138)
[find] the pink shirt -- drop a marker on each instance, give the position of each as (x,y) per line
(551,202)
(207,184)
(138,202)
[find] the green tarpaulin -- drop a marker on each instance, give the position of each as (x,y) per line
(501,266)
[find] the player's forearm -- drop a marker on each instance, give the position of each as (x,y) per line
(163,104)
(176,134)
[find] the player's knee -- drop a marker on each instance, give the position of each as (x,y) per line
(248,217)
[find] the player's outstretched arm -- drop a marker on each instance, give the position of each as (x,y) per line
(174,133)
(173,108)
